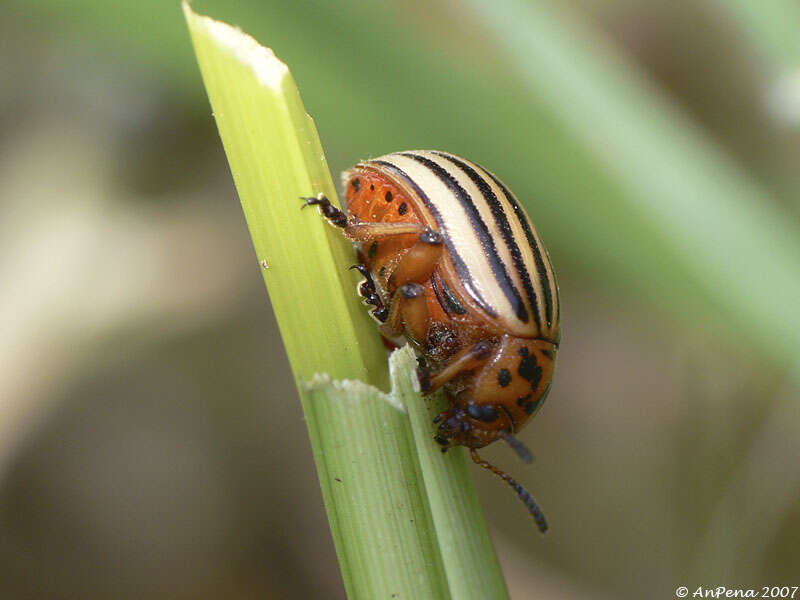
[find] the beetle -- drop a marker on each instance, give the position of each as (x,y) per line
(451,261)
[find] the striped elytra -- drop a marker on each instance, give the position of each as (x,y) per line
(452,262)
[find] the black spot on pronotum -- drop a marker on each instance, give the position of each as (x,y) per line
(482,412)
(357,184)
(388,196)
(522,400)
(531,371)
(373,249)
(372,188)
(504,377)
(524,351)
(403,208)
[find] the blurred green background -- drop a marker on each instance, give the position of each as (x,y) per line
(151,441)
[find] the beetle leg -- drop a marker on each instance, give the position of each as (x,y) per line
(362,231)
(409,310)
(466,360)
(419,262)
(334,215)
(368,292)
(409,307)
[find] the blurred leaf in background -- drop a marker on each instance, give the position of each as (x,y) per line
(146,453)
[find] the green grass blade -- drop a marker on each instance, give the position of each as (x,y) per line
(562,145)
(388,545)
(275,156)
(470,562)
(366,453)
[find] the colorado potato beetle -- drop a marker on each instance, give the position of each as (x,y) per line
(452,263)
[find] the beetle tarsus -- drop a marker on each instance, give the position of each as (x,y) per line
(329,211)
(381,314)
(369,293)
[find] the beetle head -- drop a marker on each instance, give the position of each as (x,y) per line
(458,428)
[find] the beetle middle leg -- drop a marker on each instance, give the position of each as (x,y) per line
(409,311)
(409,307)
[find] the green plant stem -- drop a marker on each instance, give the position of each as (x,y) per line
(376,500)
(381,504)
(470,562)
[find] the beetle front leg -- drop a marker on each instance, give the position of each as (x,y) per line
(335,216)
(362,231)
(369,293)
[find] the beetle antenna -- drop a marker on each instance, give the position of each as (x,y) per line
(523,494)
(517,446)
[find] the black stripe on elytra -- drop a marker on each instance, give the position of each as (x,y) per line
(481,230)
(461,268)
(452,300)
(501,220)
(537,253)
(435,286)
